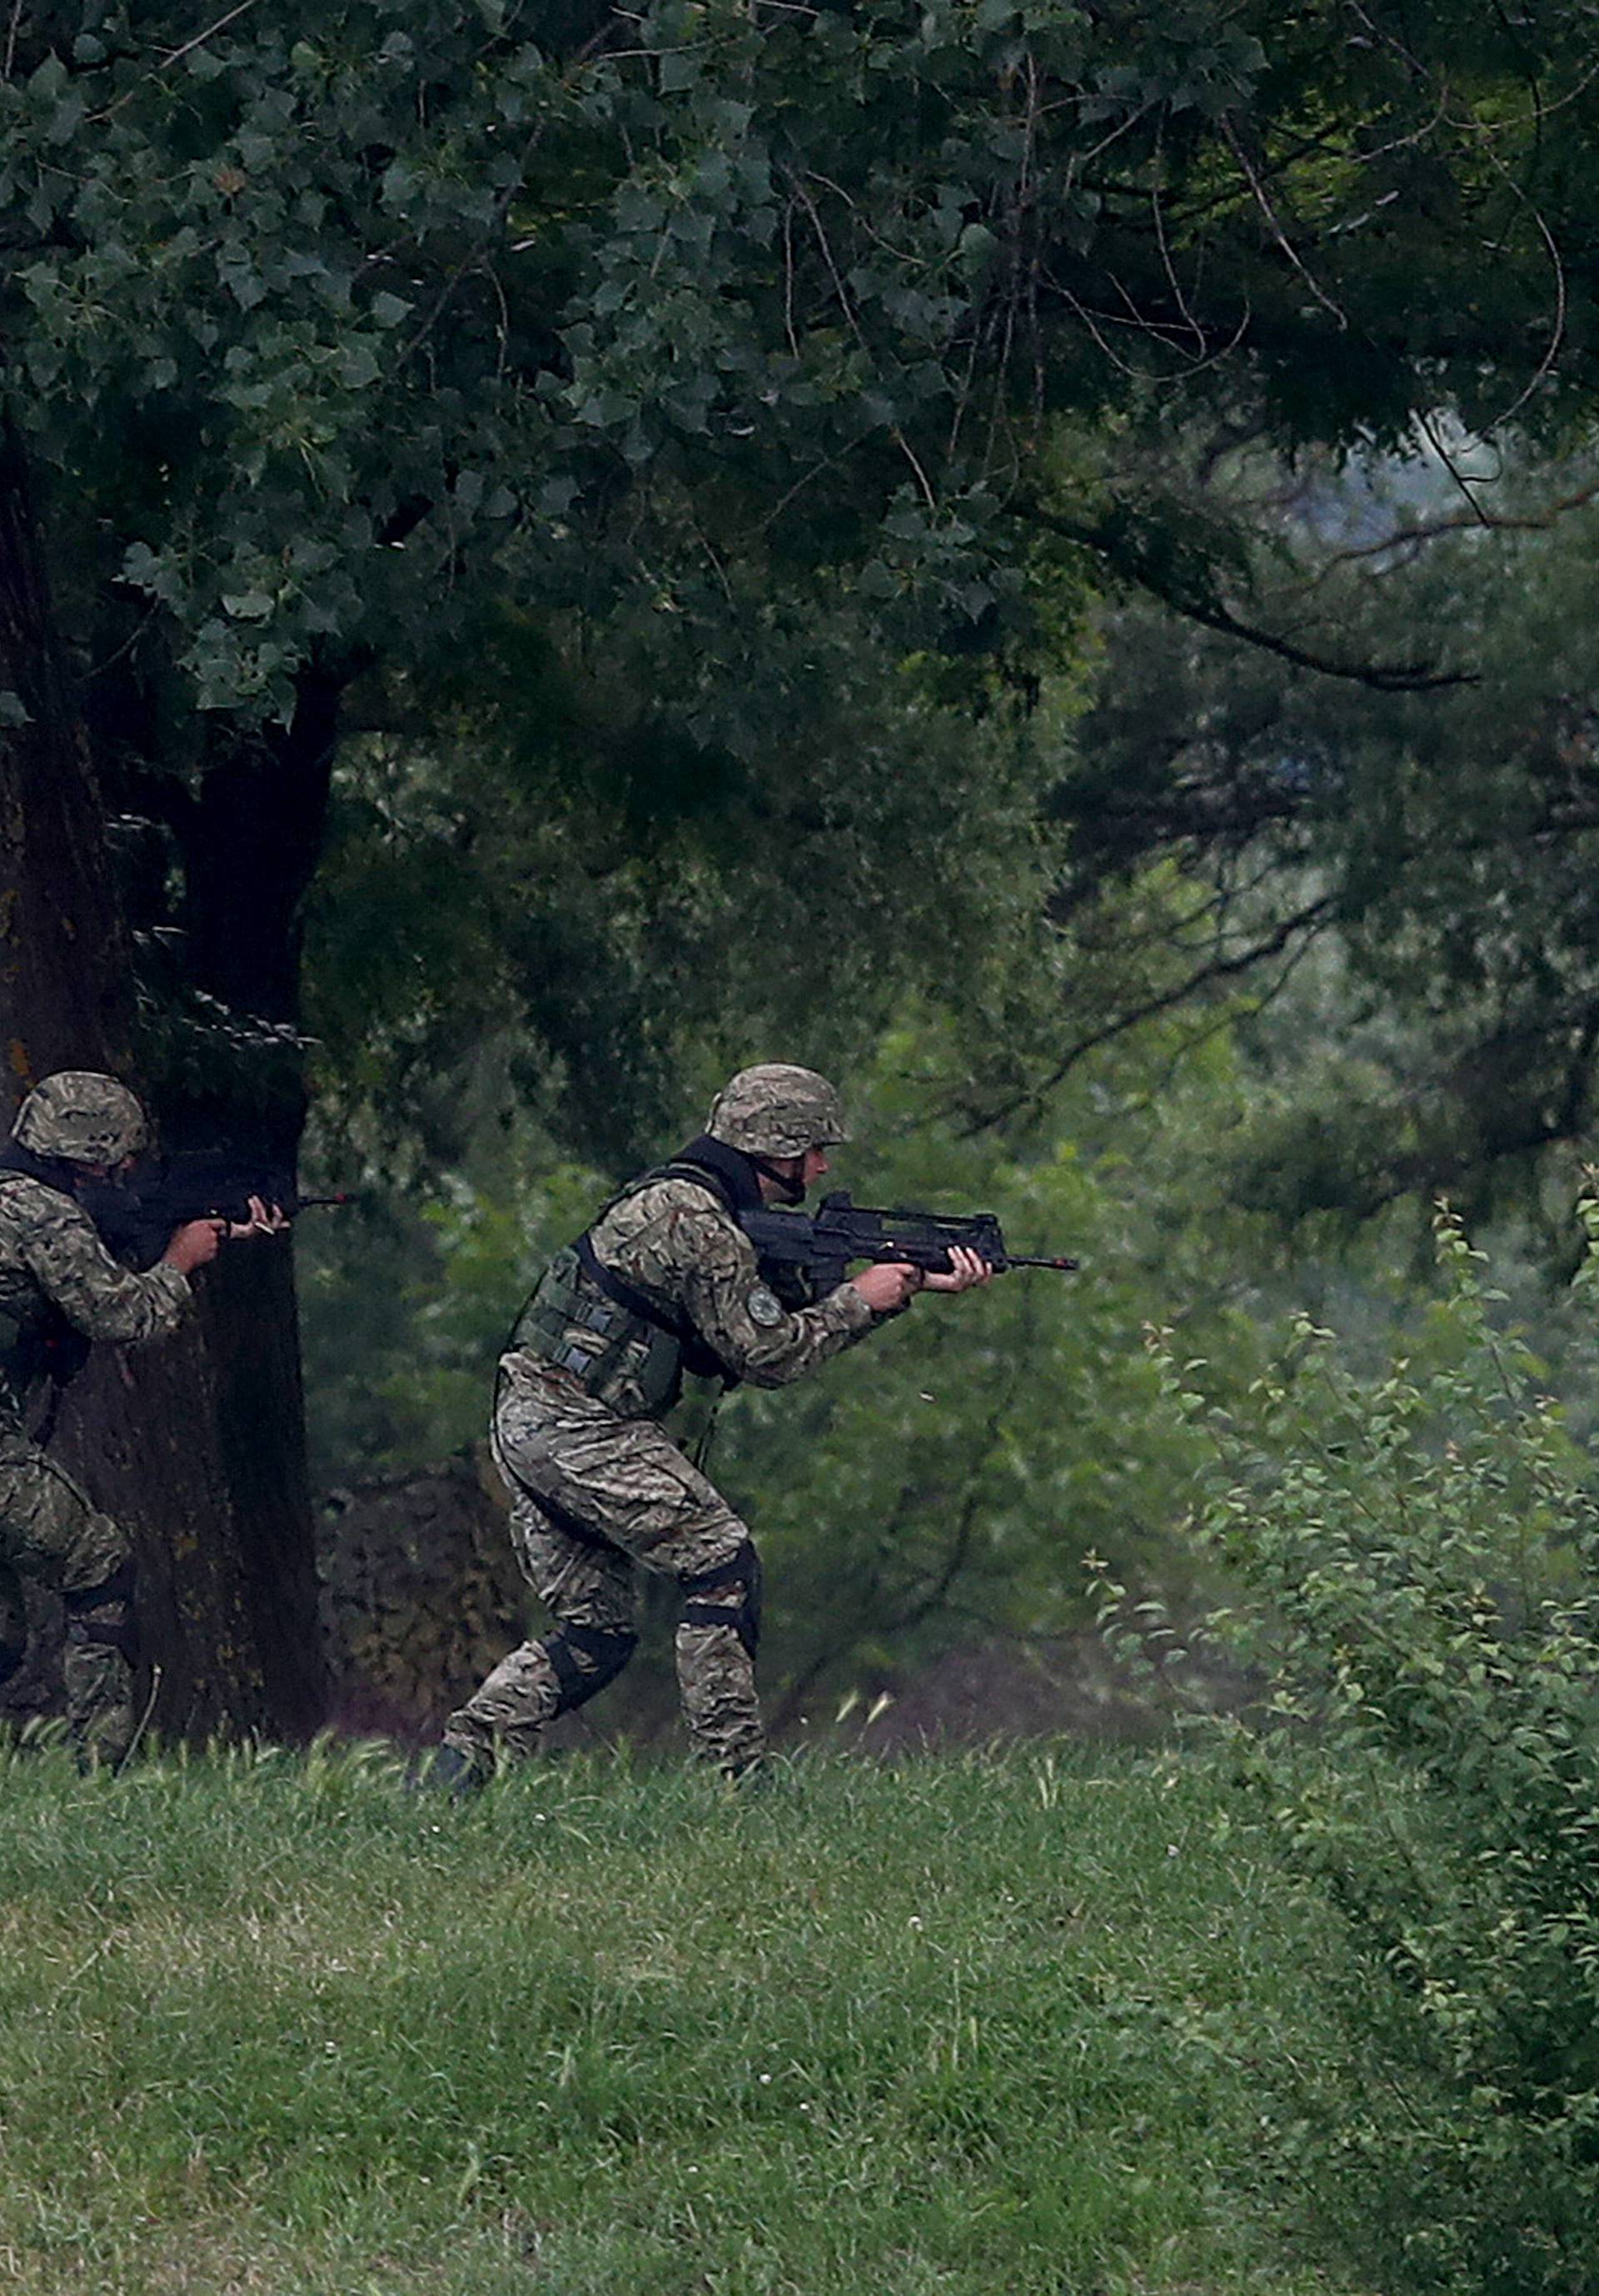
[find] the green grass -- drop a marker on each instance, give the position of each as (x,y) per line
(978,2027)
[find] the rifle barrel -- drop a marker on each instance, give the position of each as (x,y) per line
(1022,1260)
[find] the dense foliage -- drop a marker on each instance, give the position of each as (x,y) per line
(319,316)
(1415,1550)
(1416,871)
(724,341)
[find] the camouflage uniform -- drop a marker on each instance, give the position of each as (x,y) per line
(598,1488)
(51,1259)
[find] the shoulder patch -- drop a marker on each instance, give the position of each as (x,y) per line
(765,1308)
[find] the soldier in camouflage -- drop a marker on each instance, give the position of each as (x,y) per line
(59,1289)
(665,1282)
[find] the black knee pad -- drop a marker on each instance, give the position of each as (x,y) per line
(585,1658)
(11,1655)
(104,1613)
(742,1570)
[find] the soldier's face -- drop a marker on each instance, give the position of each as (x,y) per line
(812,1165)
(799,1173)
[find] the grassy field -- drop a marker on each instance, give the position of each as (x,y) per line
(996,2027)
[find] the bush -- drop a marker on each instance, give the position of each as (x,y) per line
(1413,1553)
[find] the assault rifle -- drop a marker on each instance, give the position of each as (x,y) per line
(135,1217)
(814,1249)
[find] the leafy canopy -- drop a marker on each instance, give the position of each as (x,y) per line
(320,317)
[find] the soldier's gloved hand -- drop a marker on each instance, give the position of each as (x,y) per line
(967,1268)
(887,1284)
(194,1244)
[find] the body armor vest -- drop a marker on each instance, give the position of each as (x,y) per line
(591,1322)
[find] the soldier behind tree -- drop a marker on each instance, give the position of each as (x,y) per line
(59,1288)
(664,1282)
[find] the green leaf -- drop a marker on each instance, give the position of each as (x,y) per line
(679,68)
(360,365)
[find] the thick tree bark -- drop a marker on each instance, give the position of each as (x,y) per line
(196,1443)
(65,998)
(249,845)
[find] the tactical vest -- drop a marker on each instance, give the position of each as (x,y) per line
(594,1324)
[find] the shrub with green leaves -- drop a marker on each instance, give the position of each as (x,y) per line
(1414,1554)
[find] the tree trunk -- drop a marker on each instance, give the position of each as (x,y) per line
(191,1443)
(196,1444)
(65,1000)
(251,845)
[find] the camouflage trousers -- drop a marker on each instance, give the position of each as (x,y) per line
(49,1530)
(593,1499)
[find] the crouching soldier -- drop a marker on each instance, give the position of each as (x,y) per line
(59,1290)
(664,1282)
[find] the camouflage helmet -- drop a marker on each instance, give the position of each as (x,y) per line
(777,1111)
(81,1117)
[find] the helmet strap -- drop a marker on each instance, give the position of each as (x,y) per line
(790,1187)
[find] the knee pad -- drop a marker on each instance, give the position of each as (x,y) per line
(742,1570)
(11,1655)
(104,1613)
(585,1658)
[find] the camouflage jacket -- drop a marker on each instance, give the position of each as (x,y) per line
(677,1244)
(51,1256)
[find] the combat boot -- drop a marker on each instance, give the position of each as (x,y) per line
(446,1769)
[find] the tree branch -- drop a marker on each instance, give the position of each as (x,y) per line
(1123,558)
(1304,921)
